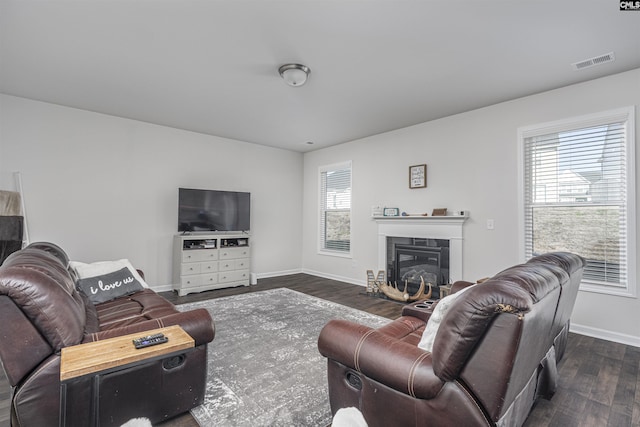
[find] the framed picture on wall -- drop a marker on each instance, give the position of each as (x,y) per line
(418,176)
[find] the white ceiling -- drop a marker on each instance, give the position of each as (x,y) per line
(376,65)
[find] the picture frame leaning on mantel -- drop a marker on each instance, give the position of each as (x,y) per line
(418,176)
(391,212)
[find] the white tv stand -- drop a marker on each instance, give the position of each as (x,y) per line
(202,262)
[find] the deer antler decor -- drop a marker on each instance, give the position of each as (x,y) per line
(396,294)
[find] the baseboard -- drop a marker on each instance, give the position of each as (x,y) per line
(334,277)
(605,335)
(278,273)
(162,288)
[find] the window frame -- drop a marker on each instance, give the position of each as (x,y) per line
(626,115)
(322,250)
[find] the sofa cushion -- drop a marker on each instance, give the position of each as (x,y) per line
(132,309)
(431,330)
(468,320)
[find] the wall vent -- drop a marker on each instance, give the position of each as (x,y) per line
(592,62)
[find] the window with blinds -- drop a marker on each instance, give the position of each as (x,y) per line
(335,209)
(579,196)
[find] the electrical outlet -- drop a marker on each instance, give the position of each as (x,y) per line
(490,224)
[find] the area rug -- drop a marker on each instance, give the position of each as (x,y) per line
(264,368)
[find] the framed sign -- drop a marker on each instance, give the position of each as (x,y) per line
(391,212)
(418,176)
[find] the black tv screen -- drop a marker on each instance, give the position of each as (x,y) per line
(213,210)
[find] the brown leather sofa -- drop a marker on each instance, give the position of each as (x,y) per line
(494,354)
(41,312)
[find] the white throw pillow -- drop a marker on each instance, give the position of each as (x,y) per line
(431,330)
(101,268)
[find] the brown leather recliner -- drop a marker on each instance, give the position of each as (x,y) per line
(494,354)
(41,312)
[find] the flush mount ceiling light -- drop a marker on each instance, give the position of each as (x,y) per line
(294,74)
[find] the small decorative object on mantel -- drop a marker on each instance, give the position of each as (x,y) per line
(439,212)
(391,212)
(418,176)
(397,295)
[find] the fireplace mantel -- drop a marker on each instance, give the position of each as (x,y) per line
(445,219)
(427,227)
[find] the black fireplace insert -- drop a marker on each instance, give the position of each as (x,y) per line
(411,259)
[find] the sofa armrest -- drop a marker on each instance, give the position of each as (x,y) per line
(197,323)
(424,309)
(397,364)
(421,310)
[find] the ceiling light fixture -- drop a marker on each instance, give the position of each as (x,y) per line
(294,74)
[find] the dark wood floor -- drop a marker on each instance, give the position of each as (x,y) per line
(599,380)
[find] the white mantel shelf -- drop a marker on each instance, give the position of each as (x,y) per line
(448,227)
(449,219)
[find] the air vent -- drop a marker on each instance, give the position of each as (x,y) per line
(592,62)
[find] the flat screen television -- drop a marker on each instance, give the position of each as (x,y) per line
(213,210)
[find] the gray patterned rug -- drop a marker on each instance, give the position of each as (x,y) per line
(264,365)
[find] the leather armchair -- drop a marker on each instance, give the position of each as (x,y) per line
(494,353)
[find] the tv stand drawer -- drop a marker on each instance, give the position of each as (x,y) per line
(234,253)
(199,255)
(199,280)
(234,276)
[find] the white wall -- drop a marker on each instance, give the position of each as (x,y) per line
(472,165)
(104,187)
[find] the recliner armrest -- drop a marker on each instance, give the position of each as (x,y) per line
(197,323)
(421,310)
(397,364)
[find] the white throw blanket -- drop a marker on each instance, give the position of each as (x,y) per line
(10,203)
(137,422)
(348,417)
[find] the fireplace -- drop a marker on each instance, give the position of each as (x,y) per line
(432,244)
(410,259)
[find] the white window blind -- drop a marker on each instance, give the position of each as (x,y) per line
(335,208)
(578,182)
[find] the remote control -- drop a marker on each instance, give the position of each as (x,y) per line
(149,340)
